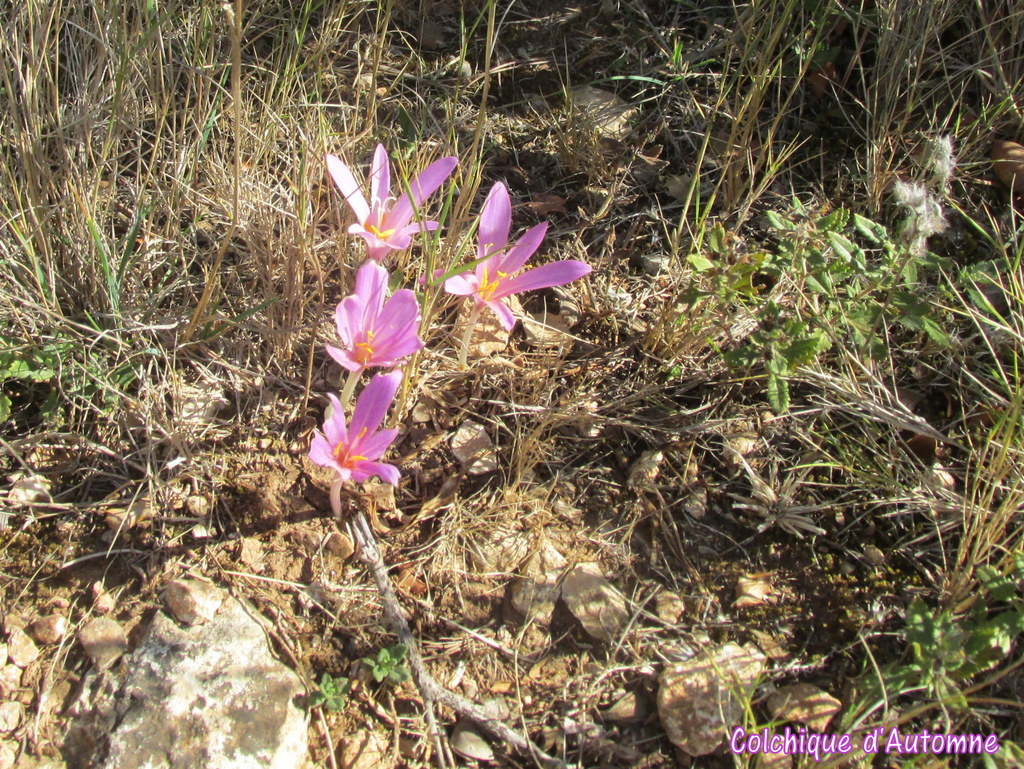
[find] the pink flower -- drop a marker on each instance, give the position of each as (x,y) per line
(382,229)
(376,330)
(352,450)
(493,279)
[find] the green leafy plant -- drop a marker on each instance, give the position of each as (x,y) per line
(826,278)
(26,368)
(389,664)
(947,650)
(332,692)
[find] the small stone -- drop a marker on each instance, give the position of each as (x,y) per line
(8,755)
(645,469)
(102,601)
(874,556)
(340,544)
(21,649)
(805,703)
(627,709)
(10,716)
(137,512)
(699,699)
(198,505)
(535,593)
(696,503)
(103,641)
(669,607)
(599,607)
(381,494)
(10,679)
(473,448)
(366,750)
(752,590)
(546,329)
(264,443)
(49,629)
(743,444)
(248,551)
(608,114)
(193,602)
(469,743)
(29,490)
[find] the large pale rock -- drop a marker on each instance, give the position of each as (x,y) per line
(805,703)
(20,648)
(210,696)
(701,698)
(534,594)
(600,608)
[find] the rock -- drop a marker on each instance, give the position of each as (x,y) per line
(627,709)
(208,695)
(607,113)
(546,329)
(21,649)
(49,630)
(669,607)
(8,754)
(473,448)
(10,716)
(102,601)
(28,490)
(366,750)
(645,469)
(805,703)
(1008,163)
(696,503)
(10,679)
(340,545)
(198,505)
(248,551)
(502,550)
(192,601)
(103,641)
(752,590)
(701,698)
(535,593)
(467,741)
(599,607)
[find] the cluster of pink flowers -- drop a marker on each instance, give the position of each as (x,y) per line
(380,331)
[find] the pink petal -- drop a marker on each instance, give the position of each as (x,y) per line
(373,403)
(422,187)
(371,290)
(505,316)
(512,261)
(334,427)
(349,187)
(344,359)
(321,452)
(462,285)
(553,274)
(373,446)
(495,220)
(380,182)
(387,473)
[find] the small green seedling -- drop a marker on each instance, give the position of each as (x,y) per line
(388,664)
(332,692)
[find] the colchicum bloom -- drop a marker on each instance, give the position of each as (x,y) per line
(382,229)
(352,450)
(493,279)
(376,330)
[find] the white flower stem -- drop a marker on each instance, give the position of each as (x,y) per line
(336,498)
(467,335)
(350,386)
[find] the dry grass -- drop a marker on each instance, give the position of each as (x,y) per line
(171,251)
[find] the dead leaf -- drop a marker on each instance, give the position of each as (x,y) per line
(607,113)
(545,203)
